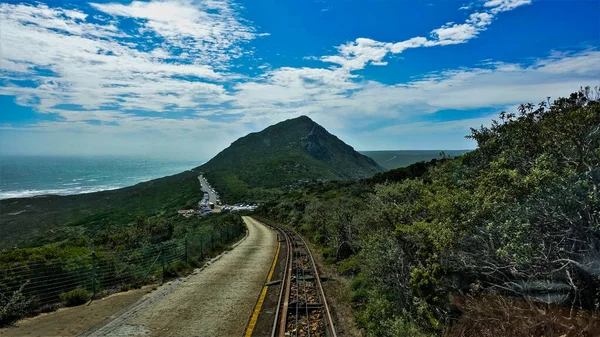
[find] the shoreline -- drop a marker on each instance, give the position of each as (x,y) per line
(49,193)
(23,177)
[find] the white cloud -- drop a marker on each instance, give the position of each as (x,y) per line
(64,21)
(189,78)
(208,31)
(453,34)
(498,6)
(344,100)
(90,66)
(355,55)
(379,63)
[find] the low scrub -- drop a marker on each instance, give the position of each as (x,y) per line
(14,307)
(75,297)
(516,218)
(176,269)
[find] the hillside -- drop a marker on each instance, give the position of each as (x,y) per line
(37,220)
(285,154)
(401,158)
(501,241)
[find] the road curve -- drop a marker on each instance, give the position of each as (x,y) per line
(217,301)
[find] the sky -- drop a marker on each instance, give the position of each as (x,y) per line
(185,78)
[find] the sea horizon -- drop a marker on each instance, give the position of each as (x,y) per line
(23,176)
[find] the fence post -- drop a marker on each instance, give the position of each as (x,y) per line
(162,259)
(186,249)
(212,239)
(201,247)
(93,274)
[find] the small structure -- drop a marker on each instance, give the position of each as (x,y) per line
(187,212)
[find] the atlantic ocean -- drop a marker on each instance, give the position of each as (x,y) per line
(26,176)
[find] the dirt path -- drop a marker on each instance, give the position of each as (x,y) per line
(215,302)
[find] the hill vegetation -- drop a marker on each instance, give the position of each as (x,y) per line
(258,166)
(502,241)
(34,221)
(401,158)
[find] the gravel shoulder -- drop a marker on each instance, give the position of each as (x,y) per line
(215,302)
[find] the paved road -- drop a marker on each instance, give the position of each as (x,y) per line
(212,196)
(217,301)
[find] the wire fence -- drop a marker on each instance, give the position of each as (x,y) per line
(103,271)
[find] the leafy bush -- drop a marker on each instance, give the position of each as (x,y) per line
(194,262)
(515,218)
(177,268)
(14,307)
(75,297)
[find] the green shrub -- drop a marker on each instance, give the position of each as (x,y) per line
(176,268)
(125,287)
(194,262)
(75,297)
(349,266)
(14,307)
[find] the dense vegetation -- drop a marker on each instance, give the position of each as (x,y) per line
(102,261)
(402,158)
(258,166)
(30,222)
(502,241)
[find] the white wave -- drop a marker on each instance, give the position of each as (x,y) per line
(58,191)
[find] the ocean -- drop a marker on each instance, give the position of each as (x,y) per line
(26,176)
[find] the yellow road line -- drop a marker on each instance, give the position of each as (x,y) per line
(261,299)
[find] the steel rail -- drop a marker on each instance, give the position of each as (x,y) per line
(284,293)
(329,320)
(281,314)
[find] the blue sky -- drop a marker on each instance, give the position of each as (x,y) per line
(185,78)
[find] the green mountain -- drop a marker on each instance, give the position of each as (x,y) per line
(285,154)
(253,167)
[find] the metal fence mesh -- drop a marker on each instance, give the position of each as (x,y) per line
(109,271)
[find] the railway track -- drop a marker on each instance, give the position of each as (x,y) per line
(302,309)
